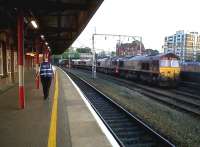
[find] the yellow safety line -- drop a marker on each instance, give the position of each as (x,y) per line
(53,123)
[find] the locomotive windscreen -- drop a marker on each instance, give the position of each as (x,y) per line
(169,63)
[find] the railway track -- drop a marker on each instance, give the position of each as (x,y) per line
(189,105)
(186,102)
(186,92)
(191,84)
(190,87)
(128,130)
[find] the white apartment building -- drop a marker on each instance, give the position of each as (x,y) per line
(186,45)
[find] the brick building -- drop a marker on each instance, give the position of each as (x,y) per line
(134,48)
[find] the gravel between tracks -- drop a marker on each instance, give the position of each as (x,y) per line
(181,128)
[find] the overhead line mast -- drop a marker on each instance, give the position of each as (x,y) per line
(93,48)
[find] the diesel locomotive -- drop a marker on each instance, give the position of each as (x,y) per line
(161,69)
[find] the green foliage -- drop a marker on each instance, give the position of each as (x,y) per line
(65,55)
(102,54)
(73,54)
(113,53)
(151,52)
(83,50)
(198,57)
(56,56)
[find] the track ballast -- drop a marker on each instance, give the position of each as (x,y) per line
(128,130)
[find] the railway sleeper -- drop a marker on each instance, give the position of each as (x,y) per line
(119,124)
(138,140)
(125,129)
(142,145)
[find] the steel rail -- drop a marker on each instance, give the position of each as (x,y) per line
(118,120)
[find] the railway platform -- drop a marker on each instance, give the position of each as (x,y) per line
(63,120)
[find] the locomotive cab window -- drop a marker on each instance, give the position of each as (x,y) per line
(165,63)
(169,63)
(174,63)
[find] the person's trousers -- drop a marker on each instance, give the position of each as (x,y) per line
(46,83)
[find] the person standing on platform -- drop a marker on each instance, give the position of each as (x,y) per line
(46,75)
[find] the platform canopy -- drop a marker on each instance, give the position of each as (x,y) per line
(60,21)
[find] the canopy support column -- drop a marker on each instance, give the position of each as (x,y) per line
(20,37)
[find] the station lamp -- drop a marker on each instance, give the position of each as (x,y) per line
(34,24)
(42,36)
(32,54)
(46,43)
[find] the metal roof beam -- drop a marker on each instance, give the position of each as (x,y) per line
(57,29)
(43,5)
(56,38)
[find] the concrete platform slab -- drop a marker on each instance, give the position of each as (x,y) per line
(28,127)
(84,130)
(75,125)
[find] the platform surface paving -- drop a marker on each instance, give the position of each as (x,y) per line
(75,125)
